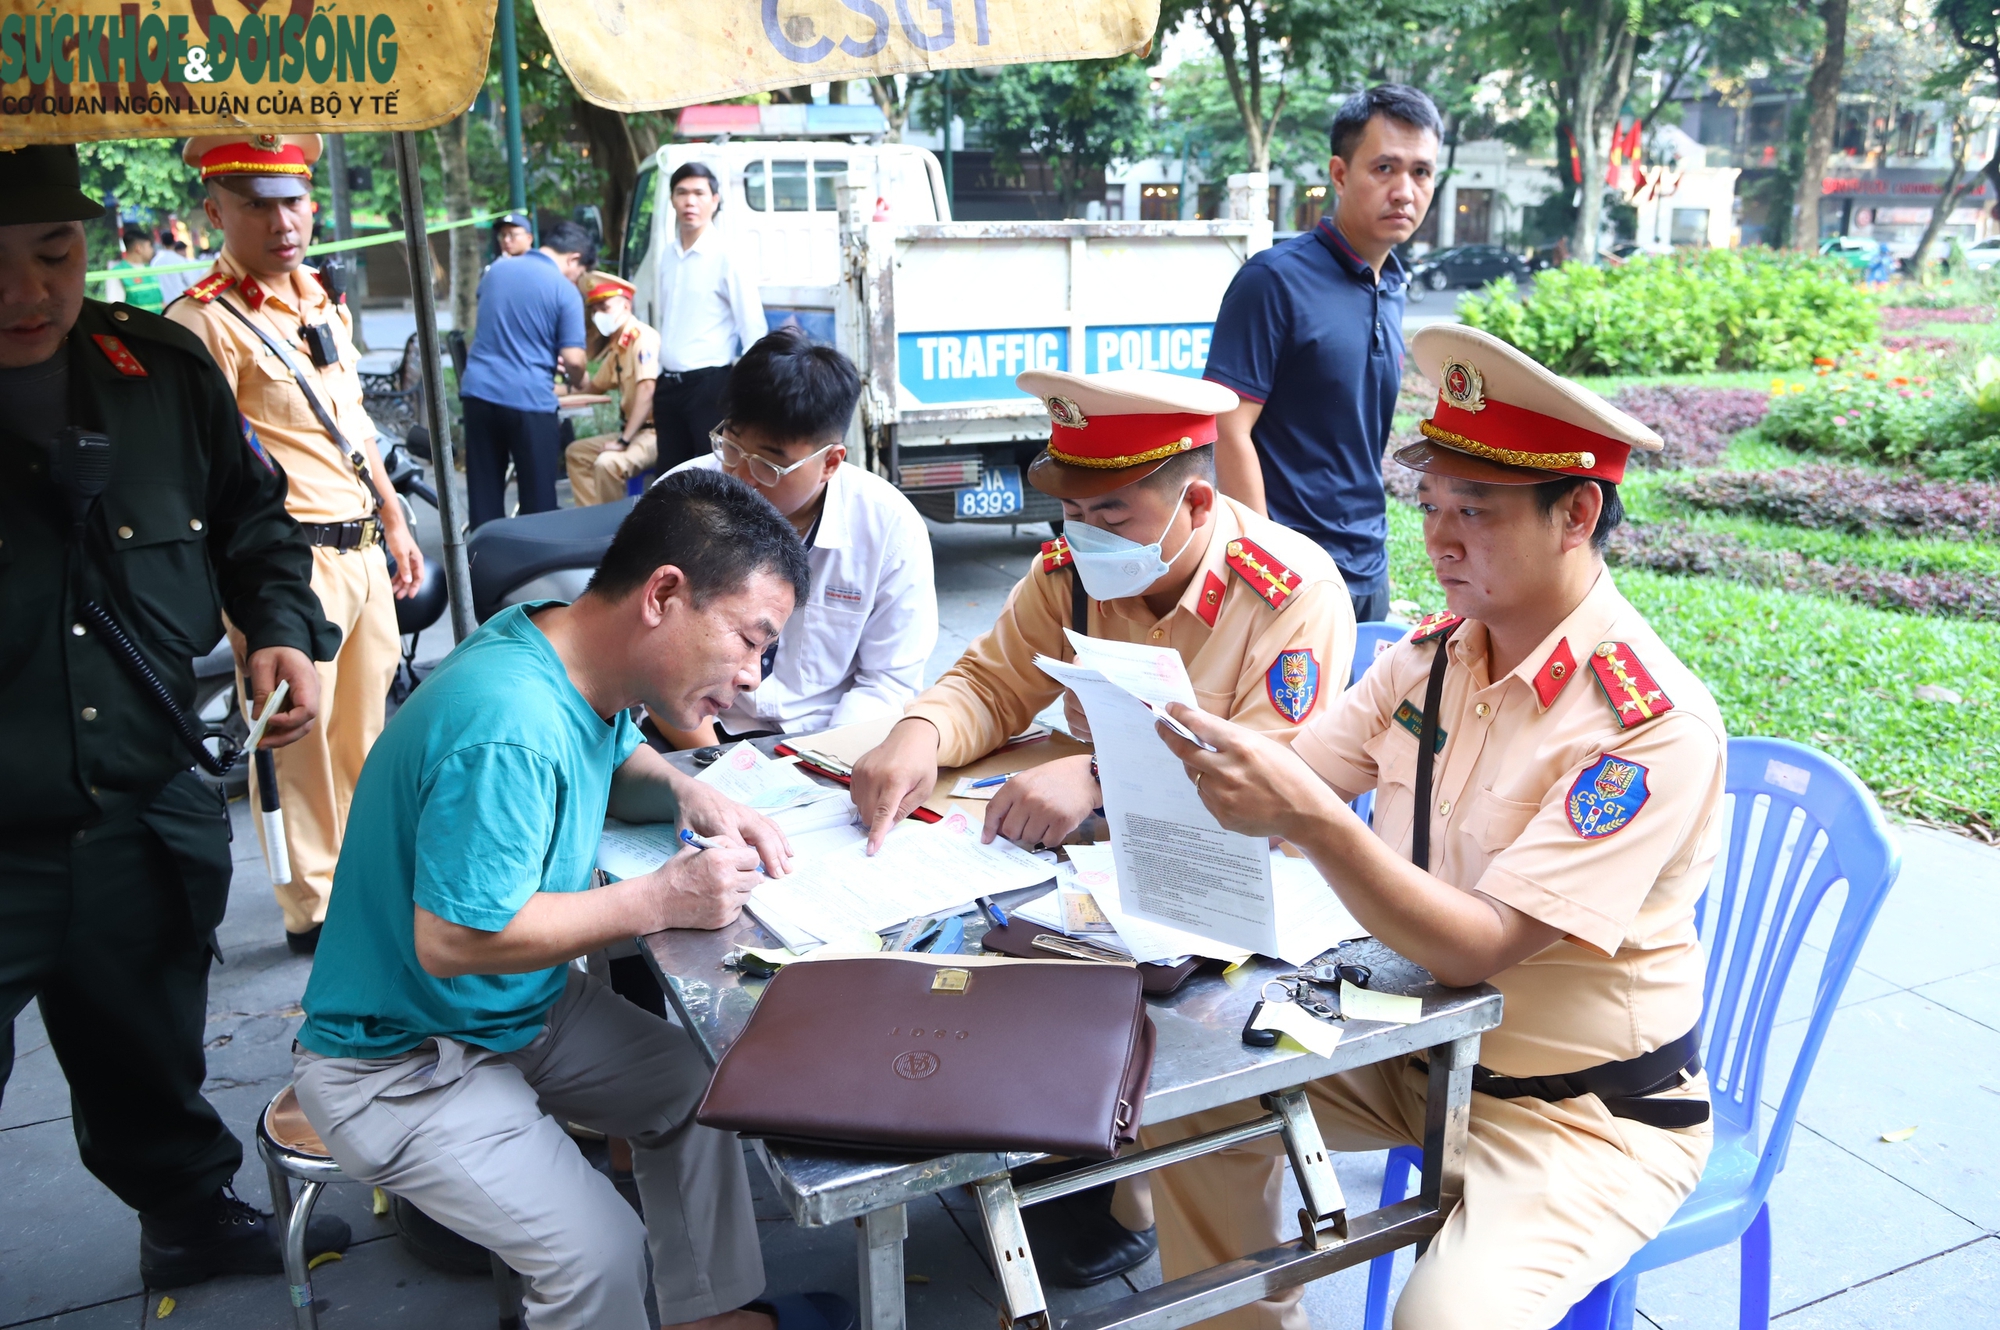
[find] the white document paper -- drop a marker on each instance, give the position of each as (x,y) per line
(1310,916)
(1151,674)
(756,781)
(634,849)
(921,869)
(1311,1033)
(1177,865)
(1147,941)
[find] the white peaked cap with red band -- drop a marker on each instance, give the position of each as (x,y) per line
(1502,418)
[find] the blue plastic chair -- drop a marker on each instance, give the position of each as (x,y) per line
(1370,640)
(1753,917)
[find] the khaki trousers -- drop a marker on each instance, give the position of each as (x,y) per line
(474,1140)
(1558,1197)
(316,775)
(598,474)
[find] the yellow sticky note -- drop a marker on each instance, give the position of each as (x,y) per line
(1365,1004)
(1315,1036)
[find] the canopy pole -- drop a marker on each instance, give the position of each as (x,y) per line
(510,91)
(457,577)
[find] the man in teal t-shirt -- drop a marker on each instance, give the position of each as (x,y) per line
(444,1025)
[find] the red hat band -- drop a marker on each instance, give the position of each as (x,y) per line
(244,159)
(1110,442)
(1516,436)
(605,290)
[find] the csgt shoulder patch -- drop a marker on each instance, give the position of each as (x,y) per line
(1293,683)
(1606,796)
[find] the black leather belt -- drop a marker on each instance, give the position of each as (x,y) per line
(359,534)
(1625,1087)
(678,376)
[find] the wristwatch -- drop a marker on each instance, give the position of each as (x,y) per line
(1099,810)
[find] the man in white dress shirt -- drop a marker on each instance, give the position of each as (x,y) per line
(856,648)
(708,312)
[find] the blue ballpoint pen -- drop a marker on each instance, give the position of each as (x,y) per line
(700,842)
(993,912)
(990,782)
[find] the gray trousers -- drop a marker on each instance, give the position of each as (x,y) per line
(473,1138)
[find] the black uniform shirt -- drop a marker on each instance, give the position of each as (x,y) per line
(193,524)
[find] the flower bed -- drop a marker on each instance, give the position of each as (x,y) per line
(1901,318)
(1694,311)
(1677,547)
(1696,423)
(1839,498)
(1884,411)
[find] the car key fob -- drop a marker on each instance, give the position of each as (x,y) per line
(1258,1038)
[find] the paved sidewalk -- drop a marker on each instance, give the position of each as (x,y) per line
(1868,1235)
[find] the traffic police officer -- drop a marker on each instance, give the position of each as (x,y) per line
(286,346)
(1555,845)
(1151,553)
(132,495)
(628,363)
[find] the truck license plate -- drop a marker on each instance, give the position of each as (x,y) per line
(998,494)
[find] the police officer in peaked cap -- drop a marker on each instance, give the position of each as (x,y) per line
(136,507)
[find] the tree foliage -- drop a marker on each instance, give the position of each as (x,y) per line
(1078,116)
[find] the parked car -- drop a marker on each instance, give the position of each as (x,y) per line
(1854,251)
(1984,255)
(1465,265)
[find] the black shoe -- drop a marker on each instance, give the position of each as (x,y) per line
(303,944)
(1077,1243)
(223,1236)
(434,1244)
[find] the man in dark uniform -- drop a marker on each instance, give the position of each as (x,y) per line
(114,856)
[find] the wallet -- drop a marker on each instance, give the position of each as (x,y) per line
(941,1055)
(1018,939)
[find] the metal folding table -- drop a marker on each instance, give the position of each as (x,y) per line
(1202,1063)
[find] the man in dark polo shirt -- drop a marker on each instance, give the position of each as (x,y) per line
(1310,336)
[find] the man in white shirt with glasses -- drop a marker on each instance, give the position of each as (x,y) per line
(856,649)
(708,312)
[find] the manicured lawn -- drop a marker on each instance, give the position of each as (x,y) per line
(1838,676)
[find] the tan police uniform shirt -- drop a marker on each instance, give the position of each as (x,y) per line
(1543,800)
(1245,656)
(631,357)
(322,484)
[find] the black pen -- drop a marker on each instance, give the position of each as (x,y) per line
(993,913)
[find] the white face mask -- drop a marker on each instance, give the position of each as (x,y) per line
(607,322)
(1113,567)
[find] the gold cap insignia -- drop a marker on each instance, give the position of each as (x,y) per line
(264,142)
(1067,413)
(1461,385)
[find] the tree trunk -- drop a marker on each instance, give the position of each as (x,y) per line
(464,246)
(1597,79)
(1956,185)
(611,147)
(1823,99)
(894,103)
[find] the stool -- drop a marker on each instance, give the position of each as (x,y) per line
(292,1149)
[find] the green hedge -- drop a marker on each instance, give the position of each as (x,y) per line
(1714,309)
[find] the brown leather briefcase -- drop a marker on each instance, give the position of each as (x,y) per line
(941,1054)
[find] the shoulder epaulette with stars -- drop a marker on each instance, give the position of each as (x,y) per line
(1273,582)
(1432,624)
(209,287)
(121,360)
(1056,554)
(1627,685)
